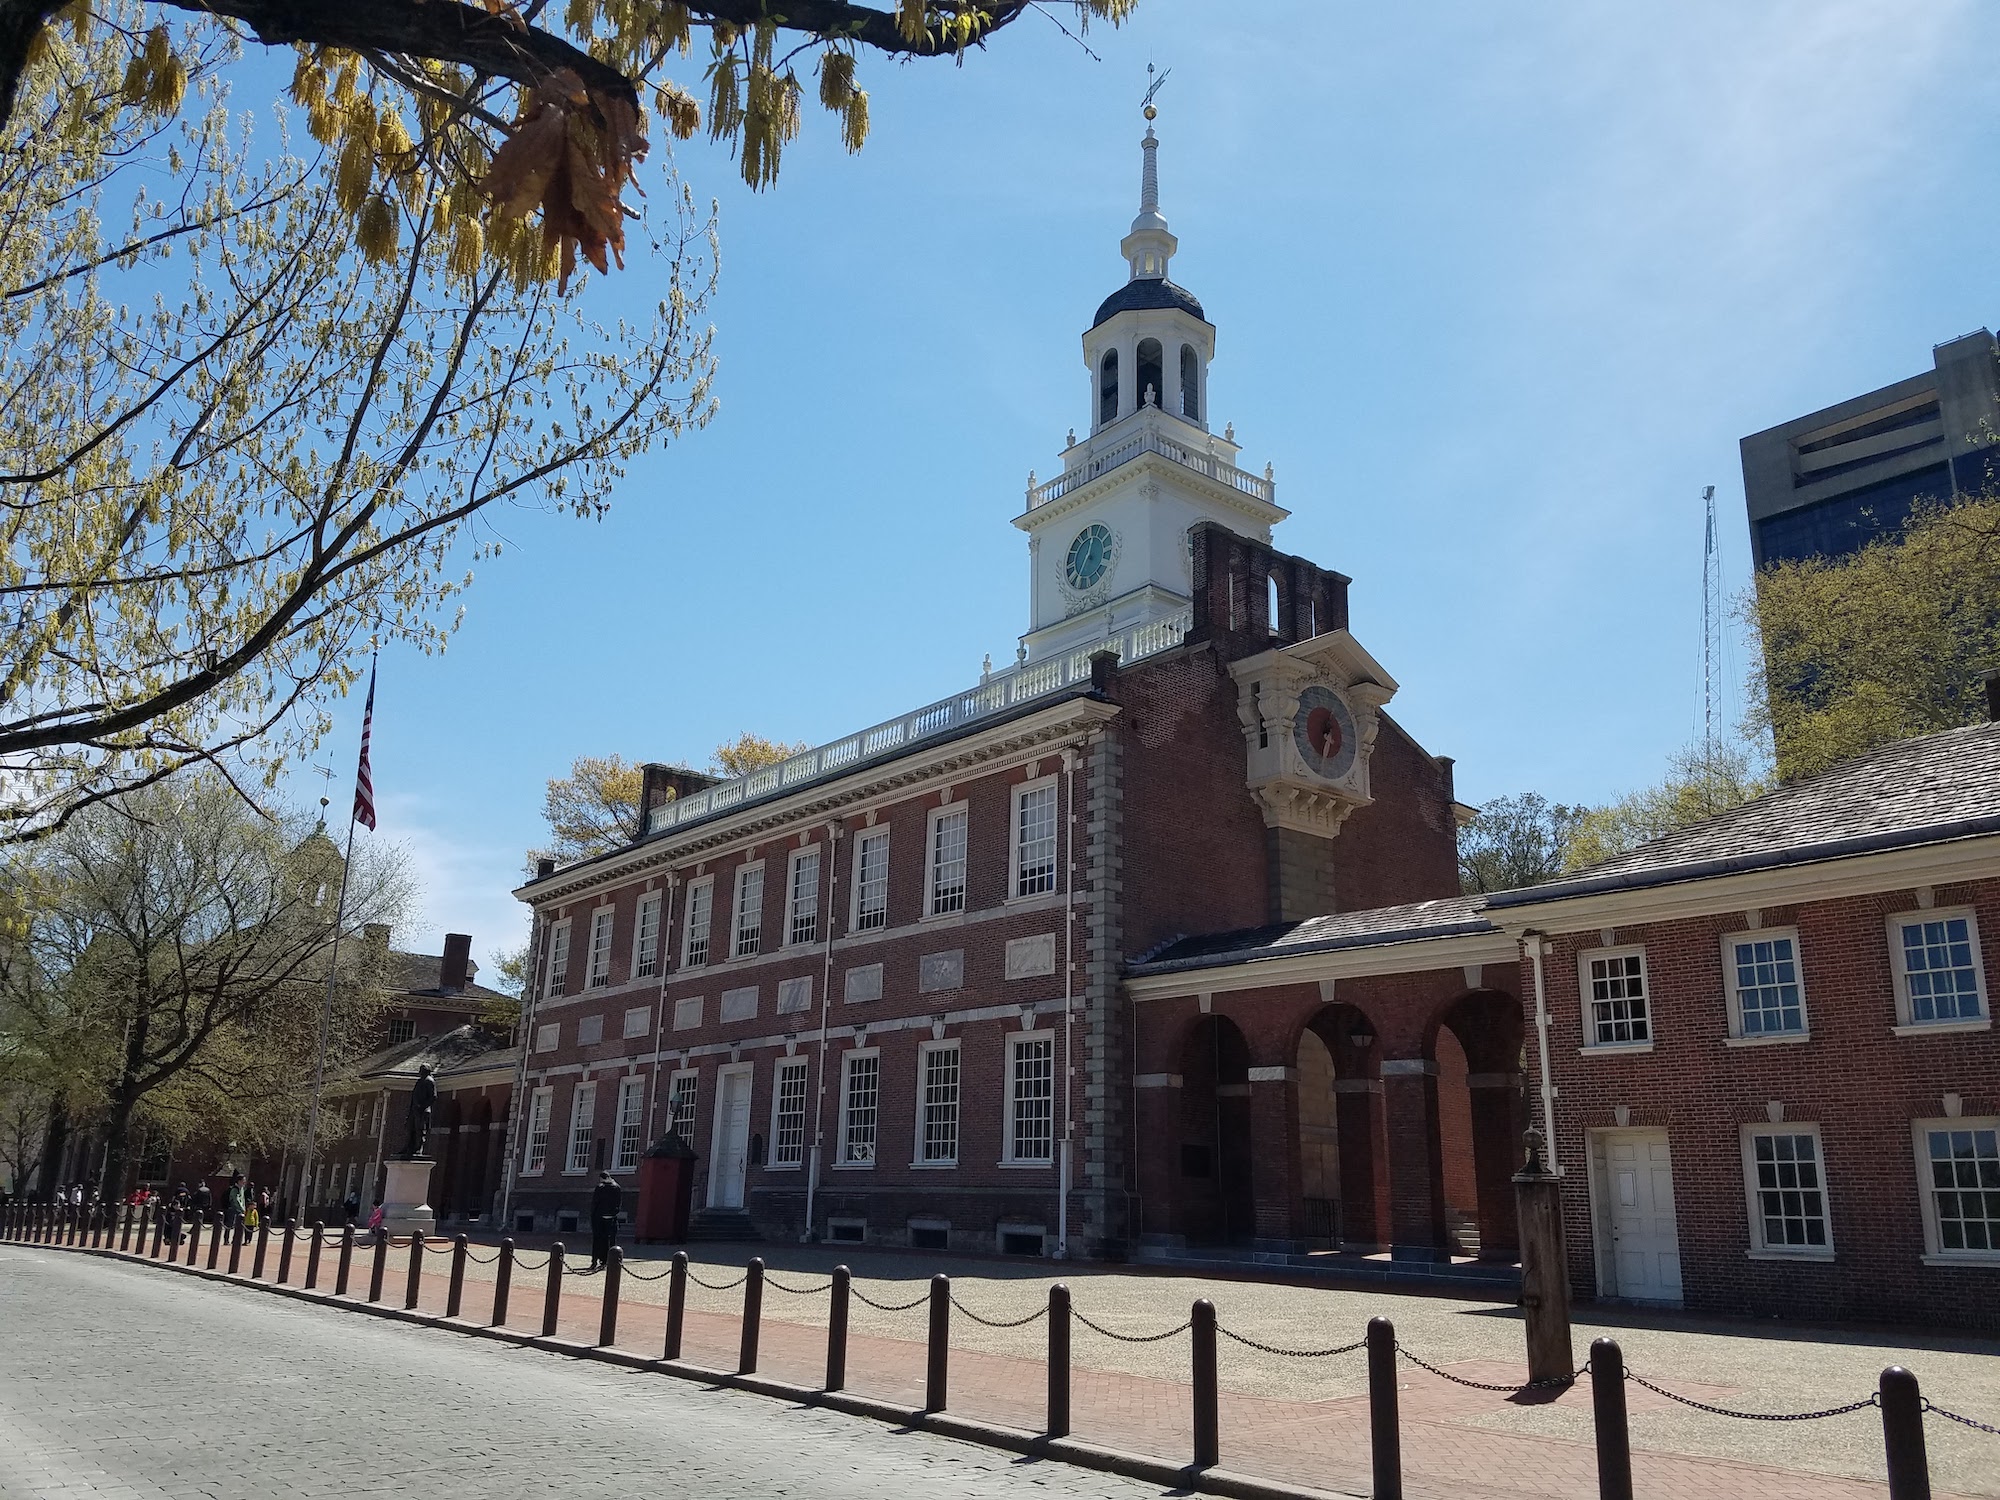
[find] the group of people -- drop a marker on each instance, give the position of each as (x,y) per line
(245,1207)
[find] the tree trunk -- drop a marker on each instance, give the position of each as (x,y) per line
(55,1138)
(118,1146)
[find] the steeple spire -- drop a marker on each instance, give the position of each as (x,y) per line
(1150,245)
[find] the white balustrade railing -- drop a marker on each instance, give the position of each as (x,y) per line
(999,692)
(1150,439)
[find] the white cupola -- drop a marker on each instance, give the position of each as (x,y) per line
(1107,537)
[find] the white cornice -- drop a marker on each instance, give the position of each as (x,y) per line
(1419,955)
(1787,885)
(842,796)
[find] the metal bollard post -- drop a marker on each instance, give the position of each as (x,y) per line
(285,1251)
(346,1260)
(836,1329)
(454,1297)
(312,1254)
(1607,1402)
(753,1316)
(552,1299)
(1903,1435)
(503,1282)
(75,1226)
(127,1212)
(263,1244)
(159,1233)
(235,1247)
(677,1296)
(194,1238)
(607,1320)
(1058,1423)
(414,1289)
(1385,1433)
(96,1240)
(937,1365)
(1207,1421)
(378,1265)
(215,1239)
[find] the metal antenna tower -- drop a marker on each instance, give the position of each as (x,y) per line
(1711,626)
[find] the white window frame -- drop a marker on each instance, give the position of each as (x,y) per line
(628,1124)
(1016,843)
(1935,1254)
(700,900)
(920,1142)
(692,1078)
(1760,1248)
(535,1151)
(1733,989)
(860,918)
(802,928)
(746,942)
(646,935)
(795,1068)
(1010,1095)
(597,967)
(848,1064)
(934,867)
(1906,1023)
(582,1128)
(555,980)
(638,1022)
(1589,1011)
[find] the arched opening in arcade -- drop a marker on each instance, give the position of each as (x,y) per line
(1481,1112)
(1217,1202)
(1342,1185)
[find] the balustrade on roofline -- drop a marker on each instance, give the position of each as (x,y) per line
(1152,439)
(996,694)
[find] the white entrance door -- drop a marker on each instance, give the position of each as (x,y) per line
(732,1139)
(1636,1189)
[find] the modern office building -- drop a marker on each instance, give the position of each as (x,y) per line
(1828,483)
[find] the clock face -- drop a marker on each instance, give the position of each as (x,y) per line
(1324,732)
(1089,557)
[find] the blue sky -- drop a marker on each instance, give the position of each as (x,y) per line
(1497,290)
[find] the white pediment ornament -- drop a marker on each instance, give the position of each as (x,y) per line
(1310,713)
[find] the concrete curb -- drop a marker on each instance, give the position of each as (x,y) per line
(1139,1466)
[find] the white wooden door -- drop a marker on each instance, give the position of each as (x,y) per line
(732,1140)
(1638,1194)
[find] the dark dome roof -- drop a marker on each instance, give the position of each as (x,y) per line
(1147,294)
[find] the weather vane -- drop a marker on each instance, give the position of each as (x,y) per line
(1146,104)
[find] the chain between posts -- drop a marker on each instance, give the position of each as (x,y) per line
(481,1260)
(718,1286)
(1131,1338)
(1873,1399)
(521,1264)
(1292,1353)
(1040,1312)
(861,1296)
(1553,1382)
(637,1275)
(798,1291)
(1952,1416)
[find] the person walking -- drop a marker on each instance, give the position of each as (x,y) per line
(350,1206)
(173,1212)
(232,1206)
(605,1201)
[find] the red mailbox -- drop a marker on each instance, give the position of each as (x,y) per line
(666,1191)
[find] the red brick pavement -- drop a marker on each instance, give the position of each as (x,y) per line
(1446,1454)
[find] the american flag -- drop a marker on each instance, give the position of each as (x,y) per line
(364,785)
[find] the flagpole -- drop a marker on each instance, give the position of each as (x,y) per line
(325,1026)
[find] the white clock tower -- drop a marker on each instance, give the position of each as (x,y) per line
(1108,536)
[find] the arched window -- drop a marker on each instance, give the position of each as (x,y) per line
(1190,383)
(1151,367)
(1271,605)
(1107,388)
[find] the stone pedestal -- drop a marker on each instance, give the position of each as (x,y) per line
(406,1204)
(1544,1275)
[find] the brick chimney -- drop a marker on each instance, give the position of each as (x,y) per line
(660,783)
(452,970)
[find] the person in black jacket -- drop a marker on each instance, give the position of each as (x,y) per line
(605,1202)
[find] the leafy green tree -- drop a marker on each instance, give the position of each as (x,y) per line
(1700,783)
(1881,645)
(592,810)
(750,752)
(1516,841)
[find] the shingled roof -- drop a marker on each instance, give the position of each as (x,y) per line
(1928,790)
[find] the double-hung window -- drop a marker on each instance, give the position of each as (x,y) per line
(597,973)
(646,937)
(1785,1176)
(947,861)
(1938,970)
(582,1119)
(1035,839)
(1615,1009)
(749,920)
(1031,1097)
(681,1095)
(788,1114)
(871,880)
(802,903)
(700,907)
(860,1106)
(631,1105)
(1958,1176)
(1766,995)
(557,983)
(537,1155)
(937,1105)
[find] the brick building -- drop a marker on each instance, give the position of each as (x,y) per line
(876,987)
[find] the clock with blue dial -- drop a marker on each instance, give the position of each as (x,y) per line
(1089,557)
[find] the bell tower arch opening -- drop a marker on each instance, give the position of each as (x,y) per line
(1107,388)
(1190,383)
(1151,372)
